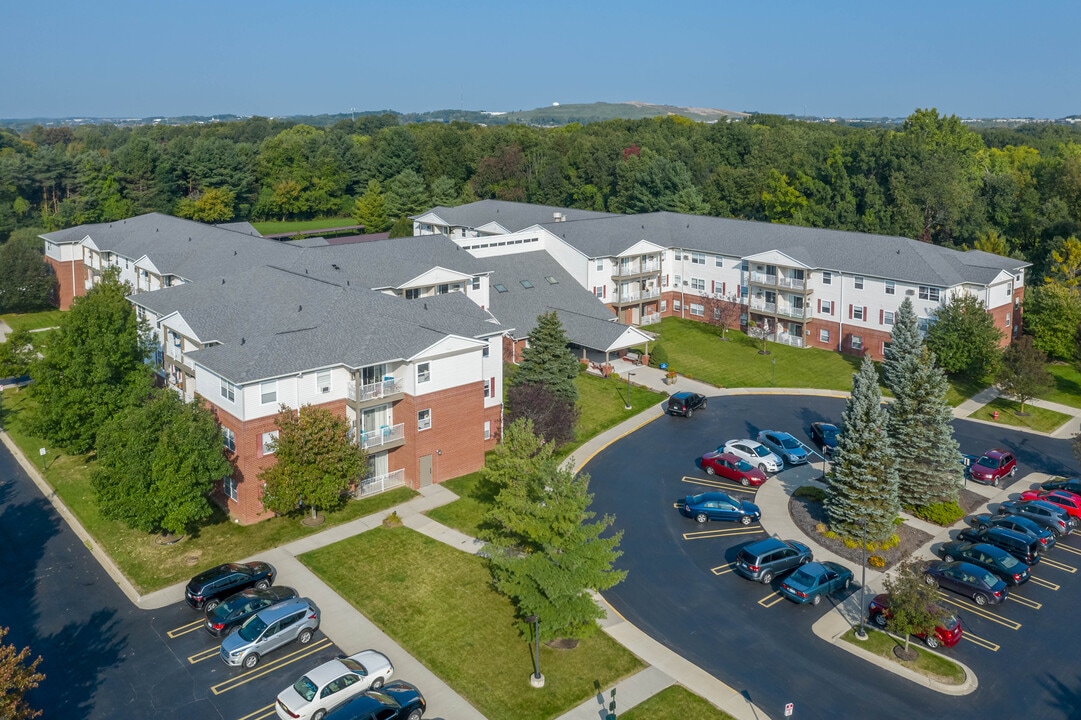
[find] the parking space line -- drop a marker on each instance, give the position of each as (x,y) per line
(1067,548)
(265,669)
(723,569)
(977,610)
(204,655)
(703,534)
(185,629)
(726,485)
(772,599)
(1043,583)
(1025,601)
(260,714)
(1059,566)
(977,640)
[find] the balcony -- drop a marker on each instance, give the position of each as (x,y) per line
(631,269)
(634,296)
(794,283)
(786,339)
(382,390)
(794,312)
(388,437)
(763,278)
(763,306)
(379,483)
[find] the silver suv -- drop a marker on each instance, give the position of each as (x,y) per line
(269,629)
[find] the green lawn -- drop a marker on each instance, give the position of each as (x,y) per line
(673,703)
(438,604)
(465,513)
(147,564)
(1067,388)
(33,321)
(934,666)
(275,228)
(963,387)
(1040,419)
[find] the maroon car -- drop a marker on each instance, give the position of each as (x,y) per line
(948,633)
(992,466)
(732,468)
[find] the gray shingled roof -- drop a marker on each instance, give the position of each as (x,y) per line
(511,215)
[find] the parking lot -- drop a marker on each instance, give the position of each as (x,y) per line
(681,588)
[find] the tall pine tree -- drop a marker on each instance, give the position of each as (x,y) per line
(905,341)
(547,361)
(863,479)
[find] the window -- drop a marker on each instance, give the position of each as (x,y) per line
(717,313)
(744,291)
(718,262)
(676,281)
(679,254)
(823,335)
(268,392)
(600,263)
(486,351)
(269,438)
(526,284)
(891,287)
(412,293)
(228,390)
(487,429)
(599,291)
(698,258)
(858,282)
(929,293)
(664,305)
(443,289)
(827,277)
(551,280)
(228,439)
(476,283)
(697,310)
(487,389)
(1007,319)
(424,372)
(322,381)
(857,312)
(424,419)
(500,287)
(743,266)
(677,306)
(887,318)
(857,342)
(229,486)
(698,284)
(826,307)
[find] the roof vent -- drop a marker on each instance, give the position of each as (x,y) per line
(189,238)
(335,266)
(223,281)
(425,306)
(299,308)
(241,341)
(155,229)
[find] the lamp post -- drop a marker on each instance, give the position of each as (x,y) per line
(861,633)
(628,405)
(774,381)
(536,679)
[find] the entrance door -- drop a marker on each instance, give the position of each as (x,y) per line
(425,478)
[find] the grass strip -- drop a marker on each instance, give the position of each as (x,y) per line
(1036,418)
(927,664)
(673,703)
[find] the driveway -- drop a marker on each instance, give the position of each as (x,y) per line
(681,591)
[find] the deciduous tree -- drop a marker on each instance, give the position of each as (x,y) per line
(1052,314)
(17,677)
(27,282)
(721,312)
(1024,373)
(17,354)
(913,606)
(553,417)
(964,338)
(370,209)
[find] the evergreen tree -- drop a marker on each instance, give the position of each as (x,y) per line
(27,282)
(444,192)
(920,431)
(863,479)
(406,194)
(370,209)
(905,342)
(547,361)
(1024,373)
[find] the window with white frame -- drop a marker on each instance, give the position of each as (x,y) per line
(1007,319)
(269,441)
(858,282)
(827,277)
(827,307)
(718,261)
(599,291)
(929,293)
(698,258)
(887,318)
(485,351)
(857,312)
(443,289)
(476,283)
(268,392)
(744,291)
(891,287)
(698,284)
(424,372)
(228,390)
(412,293)
(679,254)
(424,419)
(229,487)
(744,266)
(857,342)
(1009,289)
(698,310)
(322,381)
(228,439)
(487,429)
(487,389)
(677,306)
(664,305)
(823,335)
(676,281)
(600,263)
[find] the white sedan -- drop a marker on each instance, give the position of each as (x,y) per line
(755,453)
(332,683)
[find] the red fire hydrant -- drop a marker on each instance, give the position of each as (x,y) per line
(994,414)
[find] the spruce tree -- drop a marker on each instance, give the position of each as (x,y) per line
(905,341)
(863,479)
(547,361)
(921,432)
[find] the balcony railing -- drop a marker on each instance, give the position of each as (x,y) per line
(650,319)
(794,283)
(383,436)
(794,312)
(637,296)
(375,390)
(637,268)
(380,483)
(793,340)
(763,306)
(763,278)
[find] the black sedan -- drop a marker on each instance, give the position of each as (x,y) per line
(206,590)
(396,700)
(968,580)
(989,557)
(718,506)
(234,610)
(1050,516)
(1060,483)
(824,435)
(1031,529)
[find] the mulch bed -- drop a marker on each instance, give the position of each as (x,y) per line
(969,501)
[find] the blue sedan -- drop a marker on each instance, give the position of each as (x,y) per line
(718,506)
(815,579)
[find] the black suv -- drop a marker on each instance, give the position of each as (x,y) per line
(234,610)
(207,589)
(685,403)
(1020,546)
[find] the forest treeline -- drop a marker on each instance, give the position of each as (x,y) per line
(1010,191)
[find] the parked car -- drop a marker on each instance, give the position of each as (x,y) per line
(948,632)
(1020,546)
(730,467)
(685,403)
(1064,499)
(755,453)
(1019,524)
(332,683)
(1050,516)
(718,506)
(398,700)
(767,558)
(1060,483)
(787,447)
(206,590)
(968,580)
(235,609)
(815,579)
(269,629)
(989,557)
(825,435)
(992,466)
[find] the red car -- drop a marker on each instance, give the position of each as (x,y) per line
(1066,500)
(732,468)
(948,633)
(992,466)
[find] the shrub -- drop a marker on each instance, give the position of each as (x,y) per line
(810,492)
(658,355)
(941,513)
(876,561)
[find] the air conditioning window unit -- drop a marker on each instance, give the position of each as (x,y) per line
(325,389)
(910,291)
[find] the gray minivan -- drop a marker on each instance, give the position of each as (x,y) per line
(764,559)
(269,629)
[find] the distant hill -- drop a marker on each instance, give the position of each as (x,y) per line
(598,112)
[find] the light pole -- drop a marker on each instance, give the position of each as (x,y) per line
(861,633)
(774,381)
(628,405)
(536,679)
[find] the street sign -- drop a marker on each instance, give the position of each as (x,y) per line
(789,709)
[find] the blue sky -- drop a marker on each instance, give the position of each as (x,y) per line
(121,58)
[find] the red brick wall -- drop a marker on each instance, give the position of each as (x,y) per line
(1014,311)
(68,291)
(456,438)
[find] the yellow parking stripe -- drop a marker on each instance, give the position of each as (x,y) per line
(977,640)
(1025,601)
(741,530)
(265,669)
(185,629)
(770,600)
(1043,583)
(204,655)
(977,610)
(724,484)
(1059,566)
(723,569)
(260,714)
(1067,548)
